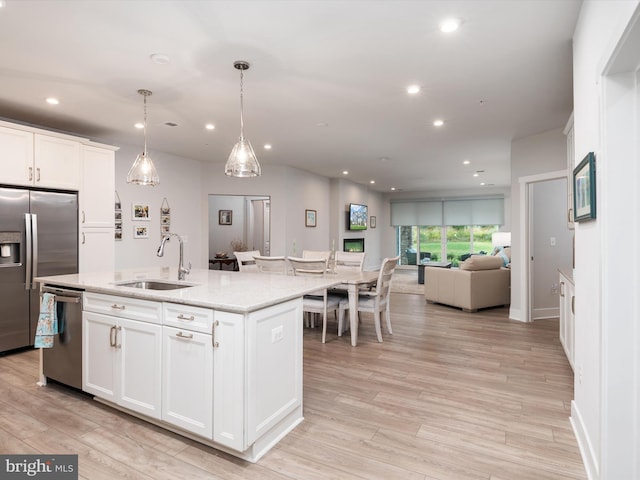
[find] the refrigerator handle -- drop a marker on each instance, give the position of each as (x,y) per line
(28,238)
(34,241)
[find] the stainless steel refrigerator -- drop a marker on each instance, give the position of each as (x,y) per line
(38,237)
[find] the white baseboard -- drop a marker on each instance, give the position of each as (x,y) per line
(542,313)
(587,451)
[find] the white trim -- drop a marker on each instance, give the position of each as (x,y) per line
(589,457)
(547,312)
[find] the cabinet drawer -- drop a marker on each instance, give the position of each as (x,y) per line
(125,307)
(188,317)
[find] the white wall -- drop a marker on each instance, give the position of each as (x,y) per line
(542,153)
(180,184)
(606,434)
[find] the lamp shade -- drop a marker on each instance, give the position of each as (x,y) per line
(242,161)
(143,172)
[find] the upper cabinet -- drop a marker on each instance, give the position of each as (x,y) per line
(56,162)
(16,152)
(39,160)
(98,186)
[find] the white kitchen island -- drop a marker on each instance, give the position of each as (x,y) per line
(219,361)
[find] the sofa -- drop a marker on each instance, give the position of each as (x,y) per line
(481,281)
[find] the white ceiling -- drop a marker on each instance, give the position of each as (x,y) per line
(326,85)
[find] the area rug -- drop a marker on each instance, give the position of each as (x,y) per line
(406,281)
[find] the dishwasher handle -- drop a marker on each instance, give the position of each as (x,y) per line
(64,296)
(59,298)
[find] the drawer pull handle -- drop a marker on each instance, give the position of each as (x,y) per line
(182,335)
(112,341)
(562,289)
(115,306)
(118,345)
(213,334)
(190,318)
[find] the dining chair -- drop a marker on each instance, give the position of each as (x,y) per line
(246,262)
(317,254)
(350,261)
(271,264)
(376,301)
(322,302)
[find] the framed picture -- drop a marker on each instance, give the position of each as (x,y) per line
(164,229)
(165,219)
(140,211)
(584,189)
(310,218)
(140,232)
(225,217)
(372,221)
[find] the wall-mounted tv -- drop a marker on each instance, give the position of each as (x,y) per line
(358,216)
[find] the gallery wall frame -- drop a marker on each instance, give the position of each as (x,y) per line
(225,217)
(310,218)
(584,189)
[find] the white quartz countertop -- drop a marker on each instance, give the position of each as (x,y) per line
(220,290)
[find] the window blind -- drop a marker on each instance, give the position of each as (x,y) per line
(479,211)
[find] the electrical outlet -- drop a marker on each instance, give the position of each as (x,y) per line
(552,241)
(277,334)
(554,288)
(579,374)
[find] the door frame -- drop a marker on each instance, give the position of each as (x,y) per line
(525,228)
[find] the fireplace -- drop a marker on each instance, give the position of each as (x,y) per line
(353,245)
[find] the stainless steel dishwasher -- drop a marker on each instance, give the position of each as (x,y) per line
(63,362)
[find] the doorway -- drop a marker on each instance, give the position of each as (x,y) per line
(550,245)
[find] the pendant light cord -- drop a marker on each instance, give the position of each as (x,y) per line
(145,124)
(241,106)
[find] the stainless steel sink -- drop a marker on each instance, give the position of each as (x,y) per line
(155,285)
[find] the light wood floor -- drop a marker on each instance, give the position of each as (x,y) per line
(449,396)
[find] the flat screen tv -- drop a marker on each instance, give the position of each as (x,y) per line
(358,216)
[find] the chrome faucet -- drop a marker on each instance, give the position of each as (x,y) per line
(182,270)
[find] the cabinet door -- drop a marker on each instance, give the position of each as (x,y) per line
(97,250)
(228,380)
(99,374)
(57,162)
(16,152)
(98,187)
(140,363)
(187,385)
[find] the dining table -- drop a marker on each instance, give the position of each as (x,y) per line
(353,281)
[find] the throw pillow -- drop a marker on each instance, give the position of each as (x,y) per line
(482,262)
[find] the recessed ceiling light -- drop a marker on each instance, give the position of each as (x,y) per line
(413,89)
(384,159)
(466,162)
(482,184)
(2,3)
(53,101)
(449,25)
(438,123)
(267,146)
(476,174)
(322,124)
(159,58)
(372,182)
(210,126)
(139,125)
(345,172)
(393,189)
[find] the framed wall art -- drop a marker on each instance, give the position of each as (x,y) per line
(225,217)
(310,218)
(140,232)
(584,189)
(140,211)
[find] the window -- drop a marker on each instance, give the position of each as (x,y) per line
(416,244)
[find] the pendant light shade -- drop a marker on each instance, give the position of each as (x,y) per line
(242,162)
(143,172)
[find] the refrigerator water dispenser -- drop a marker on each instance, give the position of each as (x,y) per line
(10,248)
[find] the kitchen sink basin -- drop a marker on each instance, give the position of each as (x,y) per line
(155,285)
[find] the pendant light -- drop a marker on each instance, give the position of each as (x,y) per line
(143,172)
(242,162)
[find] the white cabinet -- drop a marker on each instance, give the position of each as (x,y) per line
(122,357)
(187,397)
(97,244)
(16,152)
(567,315)
(98,187)
(56,162)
